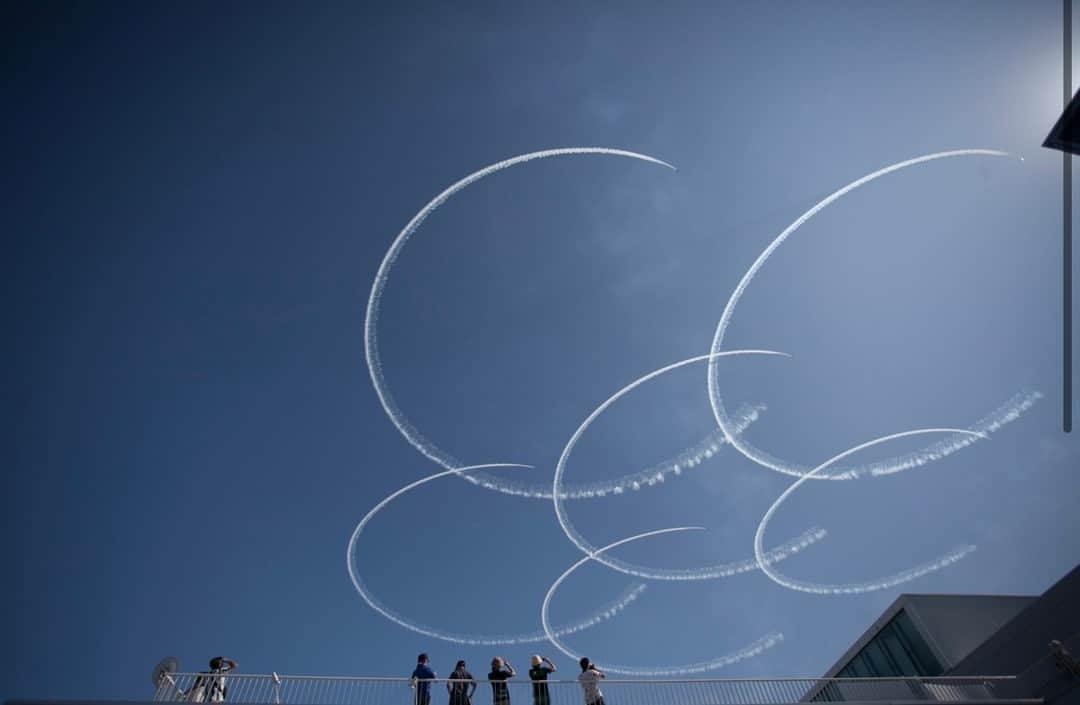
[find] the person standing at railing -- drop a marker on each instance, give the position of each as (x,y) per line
(219,666)
(422,676)
(538,675)
(210,685)
(590,682)
(458,686)
(498,676)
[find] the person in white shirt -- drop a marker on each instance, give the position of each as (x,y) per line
(590,682)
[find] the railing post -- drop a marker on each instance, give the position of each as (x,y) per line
(169,678)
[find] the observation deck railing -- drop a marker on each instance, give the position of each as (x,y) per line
(324,690)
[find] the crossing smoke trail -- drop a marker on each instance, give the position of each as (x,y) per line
(852,588)
(371,341)
(728,426)
(749,651)
(689,459)
(604,613)
(709,572)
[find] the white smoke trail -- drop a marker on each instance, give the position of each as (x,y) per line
(709,572)
(851,588)
(687,460)
(606,612)
(751,650)
(720,413)
(1004,414)
(746,652)
(371,342)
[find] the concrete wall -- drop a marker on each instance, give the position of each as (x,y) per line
(955,625)
(1024,640)
(1021,647)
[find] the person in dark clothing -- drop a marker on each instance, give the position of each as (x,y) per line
(538,675)
(210,686)
(458,685)
(498,677)
(422,676)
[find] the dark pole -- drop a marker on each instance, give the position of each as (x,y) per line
(1066,247)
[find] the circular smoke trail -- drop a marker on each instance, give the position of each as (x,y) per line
(725,422)
(748,651)
(401,422)
(605,612)
(707,573)
(853,588)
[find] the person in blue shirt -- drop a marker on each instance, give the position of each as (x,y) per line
(422,677)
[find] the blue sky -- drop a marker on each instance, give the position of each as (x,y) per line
(198,200)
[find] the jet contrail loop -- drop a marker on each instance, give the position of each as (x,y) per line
(749,651)
(852,588)
(719,412)
(605,612)
(371,344)
(706,573)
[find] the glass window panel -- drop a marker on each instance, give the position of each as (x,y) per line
(853,669)
(864,668)
(925,660)
(879,660)
(901,656)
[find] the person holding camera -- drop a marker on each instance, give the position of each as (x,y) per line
(538,675)
(590,682)
(501,671)
(210,686)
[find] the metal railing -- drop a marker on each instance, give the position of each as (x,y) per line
(325,690)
